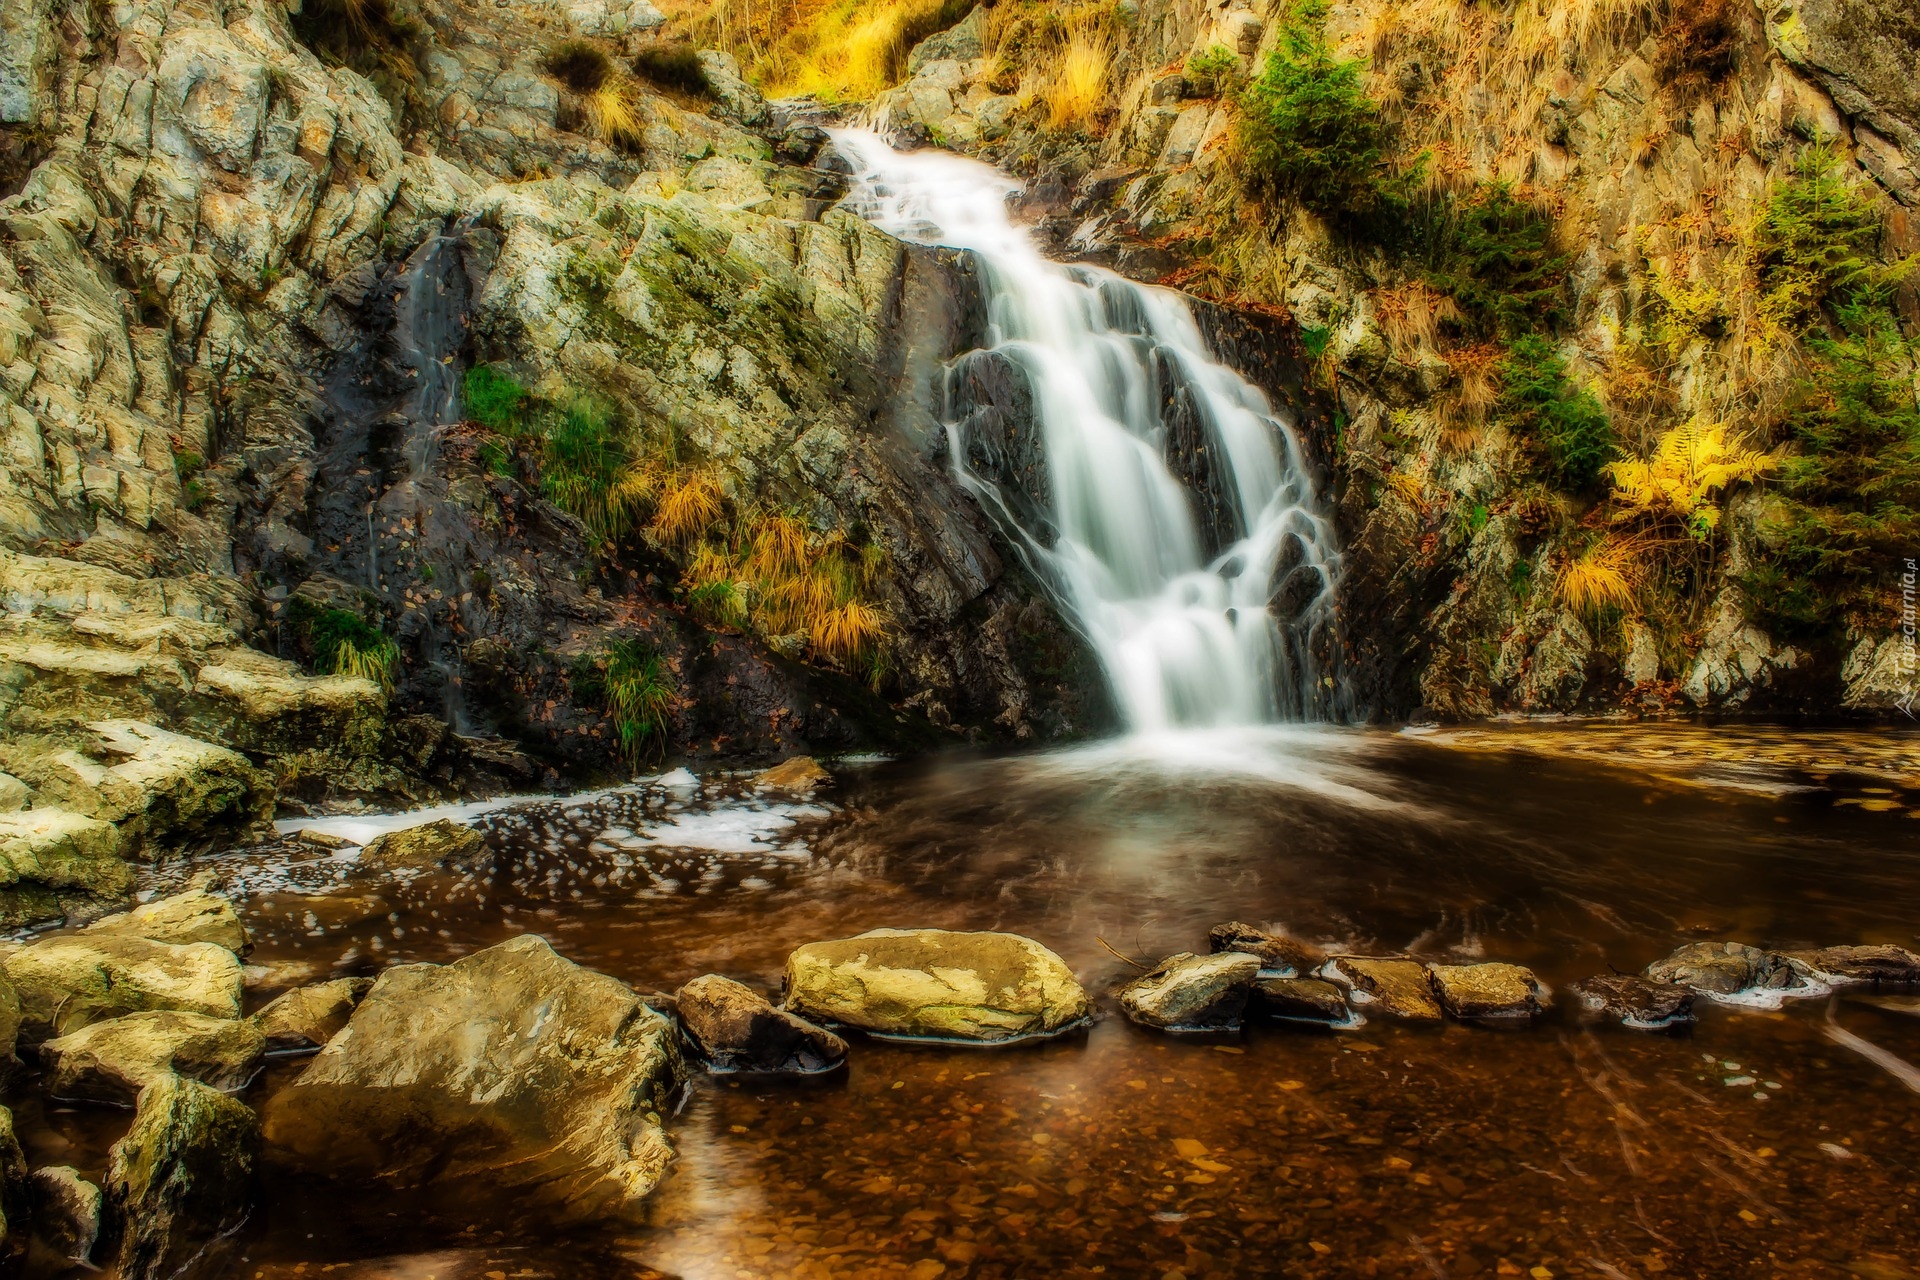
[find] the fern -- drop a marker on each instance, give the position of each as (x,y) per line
(1691,463)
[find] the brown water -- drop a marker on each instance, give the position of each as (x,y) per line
(1566,1149)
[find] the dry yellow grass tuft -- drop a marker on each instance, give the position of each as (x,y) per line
(1076,82)
(1605,575)
(687,509)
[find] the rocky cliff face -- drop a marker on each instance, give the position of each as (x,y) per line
(1648,143)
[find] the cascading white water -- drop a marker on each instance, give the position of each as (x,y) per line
(1187,640)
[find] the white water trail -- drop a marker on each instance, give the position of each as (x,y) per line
(1177,592)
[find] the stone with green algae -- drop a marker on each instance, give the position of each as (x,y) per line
(181,1180)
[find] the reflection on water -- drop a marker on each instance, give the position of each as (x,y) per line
(1761,1144)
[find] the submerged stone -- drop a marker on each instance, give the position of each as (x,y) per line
(181,1180)
(1636,1002)
(1489,992)
(66,1212)
(1397,988)
(511,1069)
(113,1061)
(1724,969)
(1880,966)
(307,1017)
(1277,952)
(440,843)
(1192,993)
(936,984)
(736,1029)
(193,916)
(1302,999)
(71,982)
(796,777)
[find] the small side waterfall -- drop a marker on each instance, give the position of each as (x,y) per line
(1206,600)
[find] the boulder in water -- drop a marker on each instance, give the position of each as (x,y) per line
(440,843)
(1489,992)
(1725,969)
(305,1018)
(937,985)
(193,916)
(1192,993)
(66,1212)
(1397,988)
(1278,953)
(736,1029)
(181,1180)
(511,1069)
(14,1197)
(1636,1002)
(1879,966)
(798,776)
(113,1061)
(67,983)
(1302,1000)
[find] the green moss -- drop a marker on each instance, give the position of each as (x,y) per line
(1564,424)
(586,465)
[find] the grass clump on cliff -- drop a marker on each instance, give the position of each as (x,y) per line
(585,465)
(366,36)
(841,51)
(596,93)
(672,66)
(342,643)
(631,682)
(1309,129)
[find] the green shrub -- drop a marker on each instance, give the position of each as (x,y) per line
(1311,132)
(343,643)
(1212,72)
(1814,246)
(630,681)
(1565,424)
(1493,253)
(586,466)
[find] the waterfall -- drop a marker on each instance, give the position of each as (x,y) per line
(1210,601)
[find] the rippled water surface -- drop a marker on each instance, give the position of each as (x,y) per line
(1756,1145)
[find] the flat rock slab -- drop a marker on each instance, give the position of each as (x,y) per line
(737,1029)
(1302,1000)
(71,982)
(113,1061)
(440,843)
(936,985)
(1636,1002)
(181,1179)
(1880,966)
(1192,993)
(1724,969)
(512,1069)
(796,777)
(1397,988)
(193,916)
(1278,953)
(306,1018)
(1489,992)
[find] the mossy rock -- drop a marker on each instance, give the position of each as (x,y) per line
(181,1180)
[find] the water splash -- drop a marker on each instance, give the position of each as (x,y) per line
(1206,610)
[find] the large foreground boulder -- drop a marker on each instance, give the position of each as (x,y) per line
(509,1069)
(180,1181)
(1192,993)
(934,984)
(71,982)
(113,1061)
(56,863)
(193,916)
(736,1029)
(66,1212)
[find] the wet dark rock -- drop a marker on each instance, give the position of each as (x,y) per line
(1724,969)
(1302,999)
(306,1018)
(1881,966)
(1636,1002)
(1397,988)
(66,1212)
(440,843)
(180,1181)
(1489,992)
(113,1061)
(512,1070)
(1278,953)
(1192,993)
(737,1029)
(800,143)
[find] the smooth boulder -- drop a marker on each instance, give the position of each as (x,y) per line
(1192,993)
(1490,992)
(66,1212)
(305,1018)
(1302,1000)
(1280,955)
(1636,1002)
(934,984)
(511,1069)
(193,916)
(70,982)
(1397,988)
(113,1061)
(1724,969)
(736,1029)
(440,843)
(181,1180)
(798,777)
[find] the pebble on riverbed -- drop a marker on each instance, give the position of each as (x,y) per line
(1879,966)
(1192,993)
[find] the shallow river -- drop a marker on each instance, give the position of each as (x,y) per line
(1755,1145)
